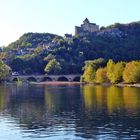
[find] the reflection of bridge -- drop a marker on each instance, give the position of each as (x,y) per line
(41,78)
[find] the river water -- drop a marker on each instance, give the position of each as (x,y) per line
(68,112)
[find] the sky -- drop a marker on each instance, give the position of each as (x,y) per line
(60,16)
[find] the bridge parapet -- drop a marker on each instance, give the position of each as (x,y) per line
(40,78)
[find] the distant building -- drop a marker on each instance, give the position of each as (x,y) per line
(86,28)
(68,36)
(50,46)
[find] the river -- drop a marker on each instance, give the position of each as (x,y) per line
(69,112)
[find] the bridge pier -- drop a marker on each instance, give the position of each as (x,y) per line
(70,79)
(55,79)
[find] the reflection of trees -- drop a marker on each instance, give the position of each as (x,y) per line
(3,97)
(44,107)
(52,101)
(114,99)
(61,99)
(111,99)
(94,97)
(101,97)
(93,114)
(2,103)
(89,95)
(131,100)
(96,110)
(26,104)
(108,108)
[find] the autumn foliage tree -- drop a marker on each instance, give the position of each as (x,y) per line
(101,75)
(115,71)
(90,69)
(110,70)
(89,74)
(118,72)
(131,72)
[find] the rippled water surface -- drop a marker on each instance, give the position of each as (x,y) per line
(43,112)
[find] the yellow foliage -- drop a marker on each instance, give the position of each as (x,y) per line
(131,72)
(115,71)
(101,76)
(89,74)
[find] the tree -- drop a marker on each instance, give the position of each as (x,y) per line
(49,57)
(89,74)
(116,46)
(18,65)
(4,70)
(110,69)
(101,75)
(131,72)
(115,71)
(53,67)
(118,72)
(90,69)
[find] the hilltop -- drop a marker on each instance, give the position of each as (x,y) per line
(33,51)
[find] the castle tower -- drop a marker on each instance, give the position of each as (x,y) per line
(86,28)
(86,21)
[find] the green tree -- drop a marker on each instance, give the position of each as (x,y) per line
(90,69)
(53,67)
(18,65)
(131,72)
(4,70)
(49,57)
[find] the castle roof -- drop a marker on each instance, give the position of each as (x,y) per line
(86,20)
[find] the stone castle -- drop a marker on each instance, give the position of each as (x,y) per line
(86,28)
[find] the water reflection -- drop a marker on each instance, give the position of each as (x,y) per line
(62,99)
(113,99)
(131,98)
(111,110)
(70,112)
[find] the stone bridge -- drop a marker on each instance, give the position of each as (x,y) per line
(43,78)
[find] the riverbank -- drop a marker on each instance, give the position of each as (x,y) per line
(60,83)
(83,83)
(118,85)
(128,85)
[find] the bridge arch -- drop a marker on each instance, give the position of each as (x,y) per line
(15,79)
(31,79)
(40,78)
(76,79)
(47,79)
(62,78)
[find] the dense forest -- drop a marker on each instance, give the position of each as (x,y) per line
(41,53)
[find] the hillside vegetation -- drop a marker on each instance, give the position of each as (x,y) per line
(34,52)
